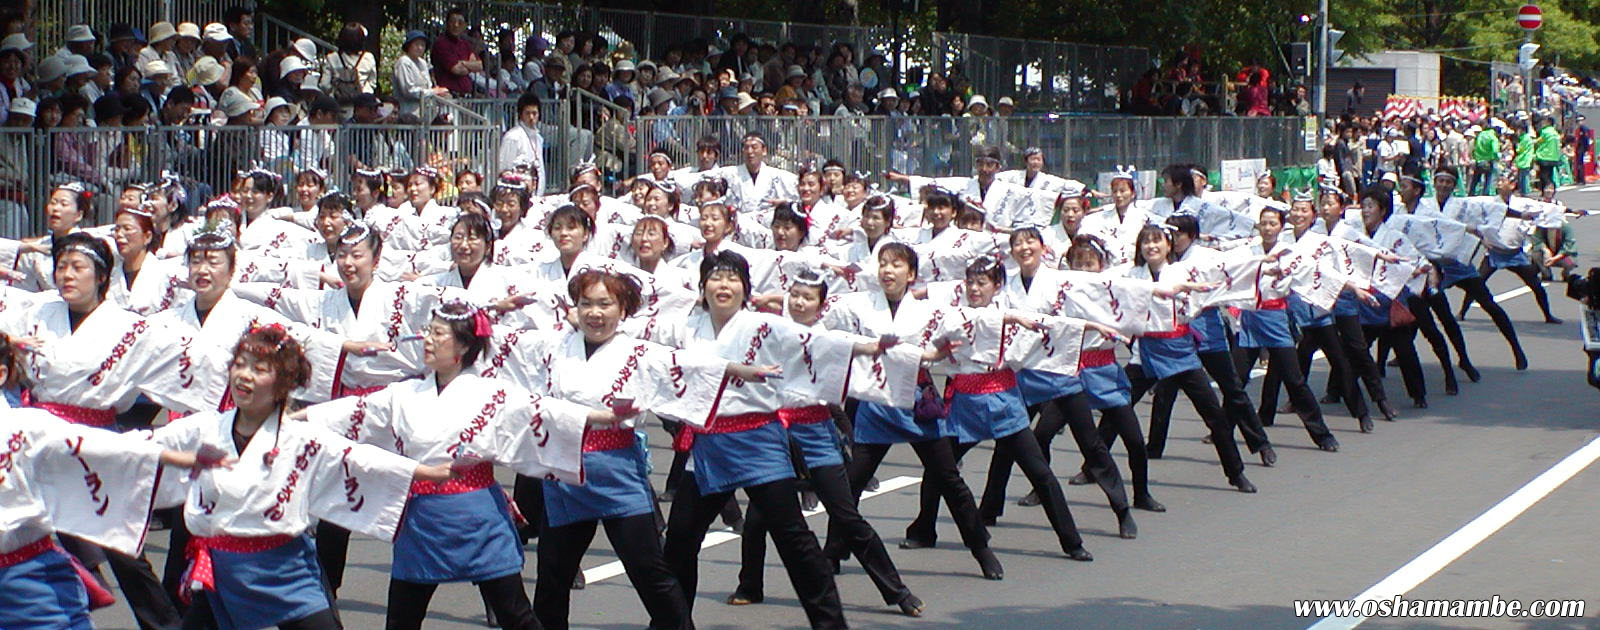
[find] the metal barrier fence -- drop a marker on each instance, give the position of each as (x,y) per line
(207,158)
(1042,75)
(1076,147)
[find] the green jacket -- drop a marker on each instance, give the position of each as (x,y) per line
(1524,157)
(1486,148)
(1547,148)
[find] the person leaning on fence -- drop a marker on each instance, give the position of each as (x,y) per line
(453,55)
(413,75)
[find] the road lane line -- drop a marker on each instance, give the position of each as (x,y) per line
(719,536)
(1470,535)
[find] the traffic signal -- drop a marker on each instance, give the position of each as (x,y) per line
(1298,55)
(1525,59)
(1334,54)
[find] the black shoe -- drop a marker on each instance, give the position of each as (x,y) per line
(1395,362)
(1330,399)
(1388,411)
(579,583)
(666,496)
(1366,424)
(1330,445)
(989,520)
(1471,372)
(737,525)
(912,543)
(1451,388)
(1242,484)
(1154,453)
(1461,316)
(808,500)
(1420,403)
(912,606)
(1126,528)
(1269,457)
(1521,359)
(1080,479)
(1148,504)
(1287,408)
(1082,555)
(1552,319)
(838,567)
(989,564)
(741,599)
(872,484)
(489,618)
(1267,420)
(1205,439)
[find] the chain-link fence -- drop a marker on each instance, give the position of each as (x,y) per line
(1076,147)
(207,158)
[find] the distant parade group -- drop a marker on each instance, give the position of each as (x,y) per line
(293,361)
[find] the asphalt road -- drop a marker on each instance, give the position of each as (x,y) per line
(1324,526)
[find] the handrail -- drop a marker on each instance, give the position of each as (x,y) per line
(264,19)
(450,104)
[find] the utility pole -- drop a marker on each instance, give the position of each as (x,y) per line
(1322,65)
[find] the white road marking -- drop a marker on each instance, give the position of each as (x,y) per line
(614,568)
(1470,535)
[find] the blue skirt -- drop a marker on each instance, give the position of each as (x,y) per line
(43,593)
(466,537)
(1107,386)
(1378,315)
(1453,271)
(818,442)
(1265,329)
(1039,386)
(729,461)
(1507,260)
(1304,315)
(265,588)
(1163,357)
(614,486)
(881,424)
(979,417)
(1211,332)
(1348,305)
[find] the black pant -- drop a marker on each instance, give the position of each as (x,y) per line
(692,514)
(1353,338)
(1547,171)
(151,606)
(333,546)
(1283,366)
(1530,277)
(177,561)
(1235,401)
(1023,448)
(938,463)
(638,546)
(201,617)
(1072,412)
(832,486)
(528,494)
(1121,421)
(408,603)
(1402,339)
(1341,378)
(1478,292)
(1197,387)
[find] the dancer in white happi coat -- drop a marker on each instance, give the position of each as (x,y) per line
(1005,206)
(252,563)
(141,282)
(463,530)
(1118,223)
(754,185)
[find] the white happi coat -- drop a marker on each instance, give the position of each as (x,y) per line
(890,378)
(1119,233)
(813,363)
(752,193)
(289,474)
(524,244)
(945,256)
(60,477)
(230,318)
(160,284)
(1005,206)
(112,358)
(671,383)
(474,417)
(388,312)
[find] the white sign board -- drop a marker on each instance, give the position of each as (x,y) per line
(1241,174)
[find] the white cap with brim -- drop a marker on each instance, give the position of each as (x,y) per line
(24,105)
(624,66)
(52,69)
(189,30)
(162,31)
(206,71)
(16,41)
(274,103)
(235,103)
(156,67)
(291,64)
(80,33)
(795,71)
(888,93)
(1005,101)
(977,99)
(1391,177)
(306,48)
(216,32)
(76,65)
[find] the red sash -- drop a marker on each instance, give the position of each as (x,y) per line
(101,418)
(340,390)
(596,440)
(984,383)
(475,478)
(1182,331)
(724,424)
(1096,358)
(27,552)
(1277,304)
(804,415)
(201,570)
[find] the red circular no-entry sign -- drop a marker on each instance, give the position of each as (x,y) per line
(1530,17)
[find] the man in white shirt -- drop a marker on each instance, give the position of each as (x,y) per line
(1393,151)
(522,143)
(755,182)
